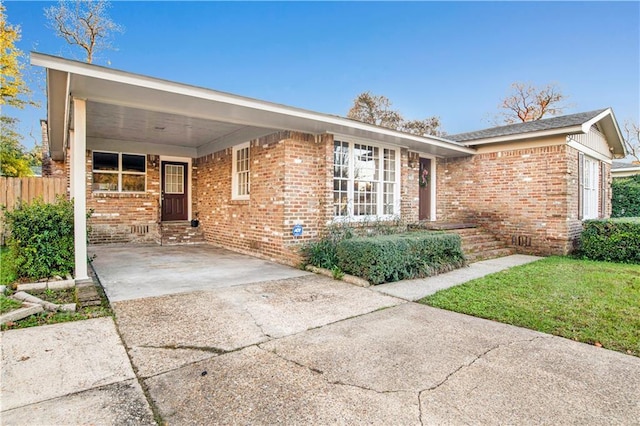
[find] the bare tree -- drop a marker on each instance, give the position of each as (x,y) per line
(376,109)
(632,139)
(530,103)
(428,126)
(83,23)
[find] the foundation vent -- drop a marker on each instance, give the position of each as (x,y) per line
(139,229)
(521,240)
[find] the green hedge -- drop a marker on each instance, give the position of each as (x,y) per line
(397,257)
(625,197)
(613,240)
(41,238)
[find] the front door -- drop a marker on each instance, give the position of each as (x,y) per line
(174,191)
(424,180)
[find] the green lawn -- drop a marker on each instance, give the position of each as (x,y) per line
(591,302)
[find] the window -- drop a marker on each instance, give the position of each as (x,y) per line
(240,177)
(118,172)
(365,180)
(590,181)
(173,179)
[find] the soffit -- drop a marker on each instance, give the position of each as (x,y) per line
(123,106)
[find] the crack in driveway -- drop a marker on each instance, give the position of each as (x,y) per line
(469,364)
(212,349)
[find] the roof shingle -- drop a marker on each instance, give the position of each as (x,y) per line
(527,127)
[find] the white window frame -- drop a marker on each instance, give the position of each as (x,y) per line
(380,181)
(118,172)
(235,173)
(590,188)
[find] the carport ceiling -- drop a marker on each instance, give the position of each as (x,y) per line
(109,121)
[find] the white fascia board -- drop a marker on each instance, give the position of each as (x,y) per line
(95,71)
(588,151)
(610,124)
(586,126)
(627,169)
(529,135)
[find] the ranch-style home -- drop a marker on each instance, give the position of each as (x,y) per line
(147,156)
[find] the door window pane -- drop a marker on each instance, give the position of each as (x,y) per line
(173,179)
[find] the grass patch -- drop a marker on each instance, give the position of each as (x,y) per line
(8,273)
(58,297)
(8,276)
(587,301)
(7,304)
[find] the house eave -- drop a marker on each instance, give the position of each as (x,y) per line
(105,85)
(564,131)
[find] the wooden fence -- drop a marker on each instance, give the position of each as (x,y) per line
(15,190)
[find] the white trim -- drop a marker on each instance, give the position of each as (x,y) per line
(189,189)
(528,135)
(145,82)
(626,169)
(434,182)
(118,172)
(67,109)
(397,204)
(591,188)
(587,151)
(234,172)
(79,187)
(149,148)
(586,126)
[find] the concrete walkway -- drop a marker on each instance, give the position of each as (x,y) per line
(419,288)
(307,350)
(71,373)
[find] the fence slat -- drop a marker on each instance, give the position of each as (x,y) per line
(24,190)
(3,191)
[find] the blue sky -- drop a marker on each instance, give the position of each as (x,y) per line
(455,60)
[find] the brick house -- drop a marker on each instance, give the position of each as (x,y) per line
(150,155)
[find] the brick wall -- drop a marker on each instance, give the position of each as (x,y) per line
(121,217)
(527,197)
(288,187)
(409,187)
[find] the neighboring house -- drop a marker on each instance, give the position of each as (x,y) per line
(146,153)
(620,169)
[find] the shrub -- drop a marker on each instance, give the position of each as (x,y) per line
(614,240)
(625,197)
(402,256)
(323,253)
(41,238)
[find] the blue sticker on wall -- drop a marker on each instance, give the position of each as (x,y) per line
(297,230)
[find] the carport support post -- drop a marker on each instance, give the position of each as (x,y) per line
(79,187)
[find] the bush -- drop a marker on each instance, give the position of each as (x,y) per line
(625,197)
(323,253)
(41,238)
(397,257)
(613,240)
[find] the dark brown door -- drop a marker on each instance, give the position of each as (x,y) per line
(424,180)
(174,191)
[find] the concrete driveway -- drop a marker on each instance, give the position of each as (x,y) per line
(311,350)
(130,271)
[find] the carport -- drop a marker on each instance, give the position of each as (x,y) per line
(130,272)
(93,108)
